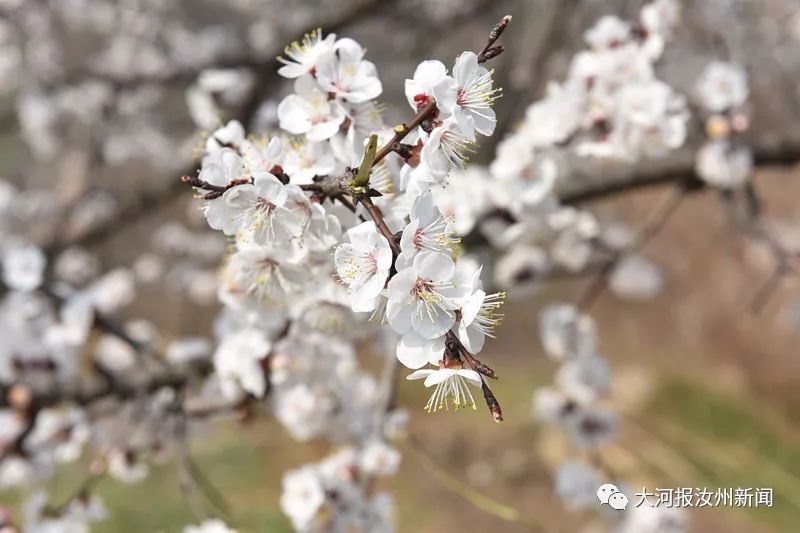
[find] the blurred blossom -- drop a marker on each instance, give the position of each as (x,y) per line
(566,332)
(724,165)
(189,350)
(23,267)
(124,466)
(113,290)
(148,268)
(722,86)
(636,278)
(585,379)
(648,519)
(115,354)
(76,266)
(209,526)
(576,484)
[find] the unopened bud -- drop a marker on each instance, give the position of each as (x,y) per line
(717,127)
(20,397)
(740,122)
(493,52)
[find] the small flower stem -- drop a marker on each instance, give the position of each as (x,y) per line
(401,130)
(656,223)
(477,499)
(377,217)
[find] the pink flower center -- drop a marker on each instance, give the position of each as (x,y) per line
(421,286)
(460,97)
(421,100)
(418,238)
(264,205)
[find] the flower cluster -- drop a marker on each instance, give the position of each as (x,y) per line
(582,380)
(721,92)
(575,404)
(305,273)
(344,242)
(332,495)
(292,318)
(611,106)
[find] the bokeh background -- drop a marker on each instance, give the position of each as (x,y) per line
(707,389)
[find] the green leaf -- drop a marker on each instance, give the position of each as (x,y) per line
(360,181)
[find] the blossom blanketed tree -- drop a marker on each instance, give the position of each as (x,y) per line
(341,235)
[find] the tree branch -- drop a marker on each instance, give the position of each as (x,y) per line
(591,183)
(266,82)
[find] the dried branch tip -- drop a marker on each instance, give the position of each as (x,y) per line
(489,50)
(499,28)
(492,403)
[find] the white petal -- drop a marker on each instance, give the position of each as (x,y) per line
(465,68)
(424,209)
(434,266)
(439,376)
(323,131)
(471,337)
(431,325)
(414,351)
(471,376)
(430,71)
(419,374)
(293,115)
(361,302)
(470,309)
(407,245)
(359,234)
(445,91)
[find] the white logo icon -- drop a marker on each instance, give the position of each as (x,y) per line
(610,494)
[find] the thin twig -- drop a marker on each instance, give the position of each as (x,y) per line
(651,228)
(477,499)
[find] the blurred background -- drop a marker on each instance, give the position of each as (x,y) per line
(707,388)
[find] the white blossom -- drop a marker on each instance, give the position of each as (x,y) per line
(636,278)
(209,526)
(576,484)
(309,112)
(649,519)
(468,96)
(237,362)
(363,265)
(345,73)
(722,86)
(379,459)
(723,165)
(566,333)
(302,496)
(23,267)
(302,57)
(422,302)
(427,230)
(451,387)
(420,89)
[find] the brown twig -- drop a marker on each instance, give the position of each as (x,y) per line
(650,229)
(380,223)
(267,81)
